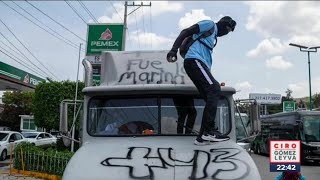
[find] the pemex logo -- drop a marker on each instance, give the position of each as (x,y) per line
(26,79)
(106,35)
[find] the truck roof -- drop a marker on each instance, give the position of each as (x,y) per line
(143,72)
(149,89)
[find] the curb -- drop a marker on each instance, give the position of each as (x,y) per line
(36,174)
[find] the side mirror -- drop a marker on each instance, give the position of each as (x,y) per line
(39,137)
(11,140)
(63,128)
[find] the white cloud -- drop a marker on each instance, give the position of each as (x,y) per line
(301,89)
(191,18)
(298,21)
(157,8)
(277,62)
(243,85)
(243,89)
(151,39)
(270,46)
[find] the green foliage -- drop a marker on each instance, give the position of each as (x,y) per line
(316,100)
(15,103)
(35,158)
(48,96)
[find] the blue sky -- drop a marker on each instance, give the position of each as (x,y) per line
(254,58)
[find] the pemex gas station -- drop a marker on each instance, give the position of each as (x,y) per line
(14,79)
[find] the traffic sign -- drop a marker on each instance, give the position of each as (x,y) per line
(288,106)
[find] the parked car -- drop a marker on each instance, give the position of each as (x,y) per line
(40,138)
(56,134)
(7,138)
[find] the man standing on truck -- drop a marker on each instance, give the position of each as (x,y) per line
(197,43)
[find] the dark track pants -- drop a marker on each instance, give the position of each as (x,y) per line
(209,90)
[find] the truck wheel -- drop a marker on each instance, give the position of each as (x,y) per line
(3,155)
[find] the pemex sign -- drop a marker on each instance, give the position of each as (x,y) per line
(104,37)
(19,76)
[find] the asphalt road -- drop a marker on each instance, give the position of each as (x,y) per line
(311,172)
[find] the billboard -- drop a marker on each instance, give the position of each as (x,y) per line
(104,37)
(266,98)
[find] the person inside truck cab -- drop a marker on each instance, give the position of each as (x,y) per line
(119,126)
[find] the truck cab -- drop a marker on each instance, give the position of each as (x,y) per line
(142,120)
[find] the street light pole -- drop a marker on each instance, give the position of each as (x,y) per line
(307,49)
(310,95)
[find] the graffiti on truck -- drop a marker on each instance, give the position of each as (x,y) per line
(219,163)
(152,72)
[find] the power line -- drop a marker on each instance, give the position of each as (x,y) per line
(144,28)
(26,65)
(20,61)
(55,21)
(74,10)
(28,50)
(137,28)
(151,27)
(88,11)
(126,15)
(13,58)
(19,50)
(34,22)
(116,11)
(69,42)
(18,53)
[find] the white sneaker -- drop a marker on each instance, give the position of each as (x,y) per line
(201,142)
(214,136)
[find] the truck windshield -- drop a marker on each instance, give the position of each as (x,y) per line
(311,128)
(240,129)
(152,116)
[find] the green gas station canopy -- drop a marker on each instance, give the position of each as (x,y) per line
(12,78)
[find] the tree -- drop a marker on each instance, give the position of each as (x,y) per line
(288,94)
(272,109)
(47,99)
(316,100)
(301,104)
(15,103)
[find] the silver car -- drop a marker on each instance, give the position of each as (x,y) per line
(40,138)
(7,139)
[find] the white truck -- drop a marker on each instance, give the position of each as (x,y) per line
(131,129)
